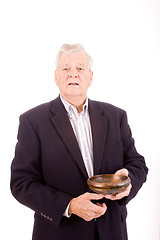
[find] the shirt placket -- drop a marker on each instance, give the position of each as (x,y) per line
(82,134)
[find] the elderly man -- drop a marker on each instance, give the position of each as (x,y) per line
(61,144)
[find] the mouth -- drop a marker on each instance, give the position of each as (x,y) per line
(73,84)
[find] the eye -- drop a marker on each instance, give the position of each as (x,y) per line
(80,68)
(66,69)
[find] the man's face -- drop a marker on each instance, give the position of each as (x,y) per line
(73,77)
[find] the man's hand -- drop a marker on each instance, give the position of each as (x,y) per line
(84,208)
(123,194)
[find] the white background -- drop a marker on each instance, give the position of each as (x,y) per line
(123,37)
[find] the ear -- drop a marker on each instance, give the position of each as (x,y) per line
(56,77)
(91,78)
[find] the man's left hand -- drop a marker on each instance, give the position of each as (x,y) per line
(123,194)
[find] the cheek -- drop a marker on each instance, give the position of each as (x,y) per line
(64,77)
(88,83)
(62,80)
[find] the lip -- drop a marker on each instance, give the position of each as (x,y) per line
(73,84)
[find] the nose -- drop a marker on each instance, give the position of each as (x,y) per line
(73,75)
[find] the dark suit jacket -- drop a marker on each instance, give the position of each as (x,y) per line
(48,169)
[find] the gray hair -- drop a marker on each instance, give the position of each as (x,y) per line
(69,48)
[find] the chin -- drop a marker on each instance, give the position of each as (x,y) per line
(74,94)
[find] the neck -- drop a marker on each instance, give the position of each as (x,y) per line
(76,102)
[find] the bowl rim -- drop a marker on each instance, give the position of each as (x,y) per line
(125,181)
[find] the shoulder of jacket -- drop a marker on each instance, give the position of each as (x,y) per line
(108,107)
(38,111)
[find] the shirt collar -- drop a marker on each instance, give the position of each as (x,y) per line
(70,108)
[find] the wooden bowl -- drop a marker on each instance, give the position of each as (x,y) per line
(108,183)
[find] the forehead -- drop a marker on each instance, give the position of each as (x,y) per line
(73,58)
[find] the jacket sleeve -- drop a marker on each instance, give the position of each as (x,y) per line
(27,184)
(133,161)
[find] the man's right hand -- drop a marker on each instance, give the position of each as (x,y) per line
(84,208)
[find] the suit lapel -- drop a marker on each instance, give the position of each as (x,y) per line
(62,124)
(99,129)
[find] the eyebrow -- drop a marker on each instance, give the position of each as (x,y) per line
(81,64)
(67,64)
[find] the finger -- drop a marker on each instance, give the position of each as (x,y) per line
(100,209)
(94,196)
(94,213)
(126,191)
(114,197)
(120,195)
(98,204)
(123,194)
(111,197)
(104,206)
(123,172)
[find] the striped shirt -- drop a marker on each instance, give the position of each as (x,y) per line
(82,129)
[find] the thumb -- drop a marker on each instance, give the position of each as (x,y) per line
(123,172)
